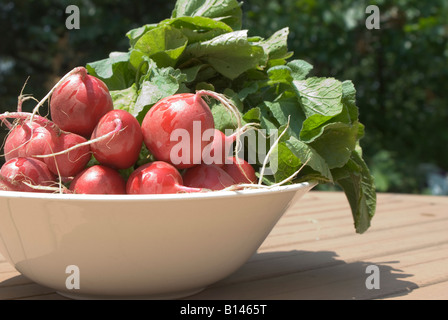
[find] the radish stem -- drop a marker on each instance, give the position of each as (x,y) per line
(270,151)
(27,116)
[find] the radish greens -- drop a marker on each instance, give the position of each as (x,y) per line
(202,46)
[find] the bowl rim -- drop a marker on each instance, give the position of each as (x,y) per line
(170,196)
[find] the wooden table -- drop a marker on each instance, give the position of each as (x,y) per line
(314,253)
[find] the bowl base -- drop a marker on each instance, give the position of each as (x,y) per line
(166,296)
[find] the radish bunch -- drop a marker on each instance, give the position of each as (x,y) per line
(179,130)
(88,145)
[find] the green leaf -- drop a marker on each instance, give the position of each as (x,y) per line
(286,109)
(198,29)
(267,119)
(308,155)
(252,115)
(276,46)
(320,95)
(230,54)
(163,45)
(349,99)
(125,99)
(283,162)
(359,187)
(144,156)
(115,71)
(192,72)
(158,83)
(136,33)
(249,88)
(336,143)
(227,11)
(279,74)
(224,119)
(299,69)
(314,125)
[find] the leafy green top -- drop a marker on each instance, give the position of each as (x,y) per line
(202,46)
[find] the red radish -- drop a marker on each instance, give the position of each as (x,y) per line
(23,136)
(27,139)
(8,184)
(189,114)
(185,117)
(218,149)
(27,170)
(69,162)
(122,149)
(42,141)
(240,170)
(98,179)
(207,177)
(156,177)
(78,103)
(41,138)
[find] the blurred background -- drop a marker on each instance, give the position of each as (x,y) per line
(400,71)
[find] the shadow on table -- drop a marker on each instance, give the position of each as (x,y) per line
(310,275)
(20,287)
(290,275)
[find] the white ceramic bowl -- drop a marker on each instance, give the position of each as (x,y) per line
(137,246)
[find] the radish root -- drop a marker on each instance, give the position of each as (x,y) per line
(59,189)
(260,180)
(259,185)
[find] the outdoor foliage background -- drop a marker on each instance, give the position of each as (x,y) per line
(400,71)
